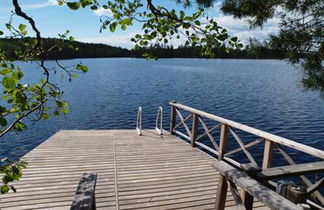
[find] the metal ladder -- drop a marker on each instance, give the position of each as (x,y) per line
(158,121)
(139,121)
(159,117)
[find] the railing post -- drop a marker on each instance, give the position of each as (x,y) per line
(222,183)
(172,118)
(267,155)
(194,130)
(267,159)
(222,141)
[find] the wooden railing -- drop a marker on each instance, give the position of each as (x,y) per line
(190,124)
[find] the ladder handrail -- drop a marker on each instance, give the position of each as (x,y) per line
(139,121)
(159,116)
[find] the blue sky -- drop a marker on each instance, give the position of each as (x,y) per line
(84,24)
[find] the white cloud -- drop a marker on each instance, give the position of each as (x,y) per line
(232,24)
(240,27)
(113,40)
(101,11)
(40,5)
(53,2)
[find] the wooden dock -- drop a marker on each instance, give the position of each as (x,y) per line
(134,172)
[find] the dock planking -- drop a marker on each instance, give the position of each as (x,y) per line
(134,172)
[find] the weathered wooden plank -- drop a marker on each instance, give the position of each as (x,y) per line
(298,169)
(315,186)
(259,191)
(149,171)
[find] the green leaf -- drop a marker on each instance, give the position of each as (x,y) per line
(15,170)
(5,71)
(8,82)
(7,178)
(234,39)
(60,2)
(45,116)
(1,33)
(83,68)
(2,109)
(24,33)
(17,75)
(71,38)
(73,5)
(123,27)
(3,122)
(94,7)
(73,76)
(182,14)
(64,110)
(196,15)
(23,164)
(126,21)
(22,27)
(19,126)
(59,103)
(186,25)
(112,27)
(4,189)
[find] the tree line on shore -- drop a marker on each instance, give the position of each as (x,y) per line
(254,50)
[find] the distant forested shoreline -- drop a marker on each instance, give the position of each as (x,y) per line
(92,50)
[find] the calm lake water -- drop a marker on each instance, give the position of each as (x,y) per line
(260,93)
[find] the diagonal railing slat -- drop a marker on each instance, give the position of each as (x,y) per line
(211,138)
(183,122)
(210,131)
(251,144)
(239,141)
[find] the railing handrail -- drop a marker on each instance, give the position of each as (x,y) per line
(228,128)
(159,116)
(139,121)
(268,136)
